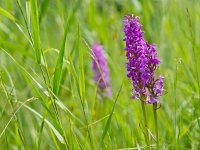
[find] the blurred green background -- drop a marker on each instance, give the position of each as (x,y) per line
(76,119)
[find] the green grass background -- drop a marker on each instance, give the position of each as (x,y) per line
(45,49)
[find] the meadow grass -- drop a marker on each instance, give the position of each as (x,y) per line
(48,99)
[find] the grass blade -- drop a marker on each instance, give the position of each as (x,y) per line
(81,70)
(109,120)
(35,30)
(59,64)
(56,132)
(43,9)
(44,91)
(7,14)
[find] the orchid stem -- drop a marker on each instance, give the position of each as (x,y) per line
(156,124)
(146,125)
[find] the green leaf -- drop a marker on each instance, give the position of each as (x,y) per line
(35,30)
(43,9)
(81,69)
(7,14)
(56,132)
(109,120)
(59,64)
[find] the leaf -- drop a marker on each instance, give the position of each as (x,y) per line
(7,14)
(59,63)
(57,134)
(81,70)
(44,91)
(109,120)
(43,9)
(35,30)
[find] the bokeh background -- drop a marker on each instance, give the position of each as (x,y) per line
(28,119)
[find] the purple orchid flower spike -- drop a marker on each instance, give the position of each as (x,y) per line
(142,62)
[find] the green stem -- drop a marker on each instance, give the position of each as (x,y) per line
(156,124)
(146,125)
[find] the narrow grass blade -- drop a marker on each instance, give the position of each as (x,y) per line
(43,9)
(12,117)
(63,107)
(81,70)
(40,134)
(26,18)
(109,120)
(35,30)
(7,14)
(44,91)
(11,83)
(56,132)
(59,63)
(22,139)
(74,74)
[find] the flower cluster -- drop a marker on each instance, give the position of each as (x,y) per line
(142,62)
(100,69)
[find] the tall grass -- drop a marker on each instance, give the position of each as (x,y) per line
(48,99)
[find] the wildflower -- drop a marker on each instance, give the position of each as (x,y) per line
(142,62)
(100,69)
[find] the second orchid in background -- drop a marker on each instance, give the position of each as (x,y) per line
(100,70)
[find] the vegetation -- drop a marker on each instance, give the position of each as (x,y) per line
(48,99)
